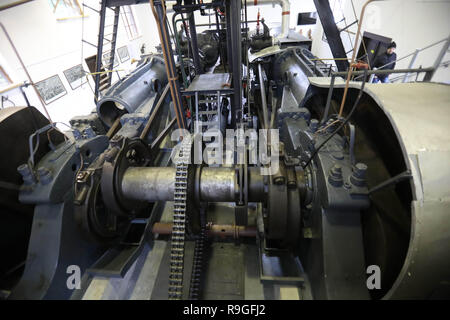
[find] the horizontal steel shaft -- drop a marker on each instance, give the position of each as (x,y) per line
(214,184)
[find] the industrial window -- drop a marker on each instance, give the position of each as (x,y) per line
(129,22)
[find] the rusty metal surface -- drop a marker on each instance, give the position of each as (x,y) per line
(219,230)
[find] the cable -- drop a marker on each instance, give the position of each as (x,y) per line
(350,70)
(341,125)
(362,40)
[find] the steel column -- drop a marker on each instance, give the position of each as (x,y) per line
(160,15)
(332,33)
(113,42)
(98,63)
(194,44)
(234,50)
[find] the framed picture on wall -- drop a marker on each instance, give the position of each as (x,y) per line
(51,89)
(107,57)
(75,76)
(123,54)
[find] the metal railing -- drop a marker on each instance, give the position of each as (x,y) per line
(413,55)
(365,73)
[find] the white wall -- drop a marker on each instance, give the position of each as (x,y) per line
(412,24)
(48,47)
(271,14)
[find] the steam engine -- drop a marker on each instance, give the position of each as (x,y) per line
(336,194)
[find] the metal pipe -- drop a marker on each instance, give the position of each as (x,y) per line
(11,88)
(327,106)
(273,112)
(112,131)
(26,71)
(98,62)
(285,13)
(194,44)
(397,178)
(159,11)
(235,57)
(212,230)
(413,53)
(411,63)
(13,4)
(418,70)
(263,97)
(220,23)
(429,75)
(341,109)
(163,134)
(154,112)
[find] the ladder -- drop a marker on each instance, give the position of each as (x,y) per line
(208,115)
(209,108)
(316,66)
(107,37)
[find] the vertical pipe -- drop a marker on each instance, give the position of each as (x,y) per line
(219,113)
(113,43)
(349,74)
(98,63)
(235,49)
(194,44)
(411,63)
(196,112)
(327,106)
(274,111)
(25,96)
(159,12)
(429,75)
(263,96)
(285,13)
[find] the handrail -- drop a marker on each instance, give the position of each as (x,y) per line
(26,71)
(343,73)
(418,50)
(365,73)
(415,53)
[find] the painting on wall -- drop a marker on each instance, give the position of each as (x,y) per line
(107,57)
(51,89)
(75,76)
(123,54)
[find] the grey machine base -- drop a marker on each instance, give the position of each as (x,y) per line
(232,271)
